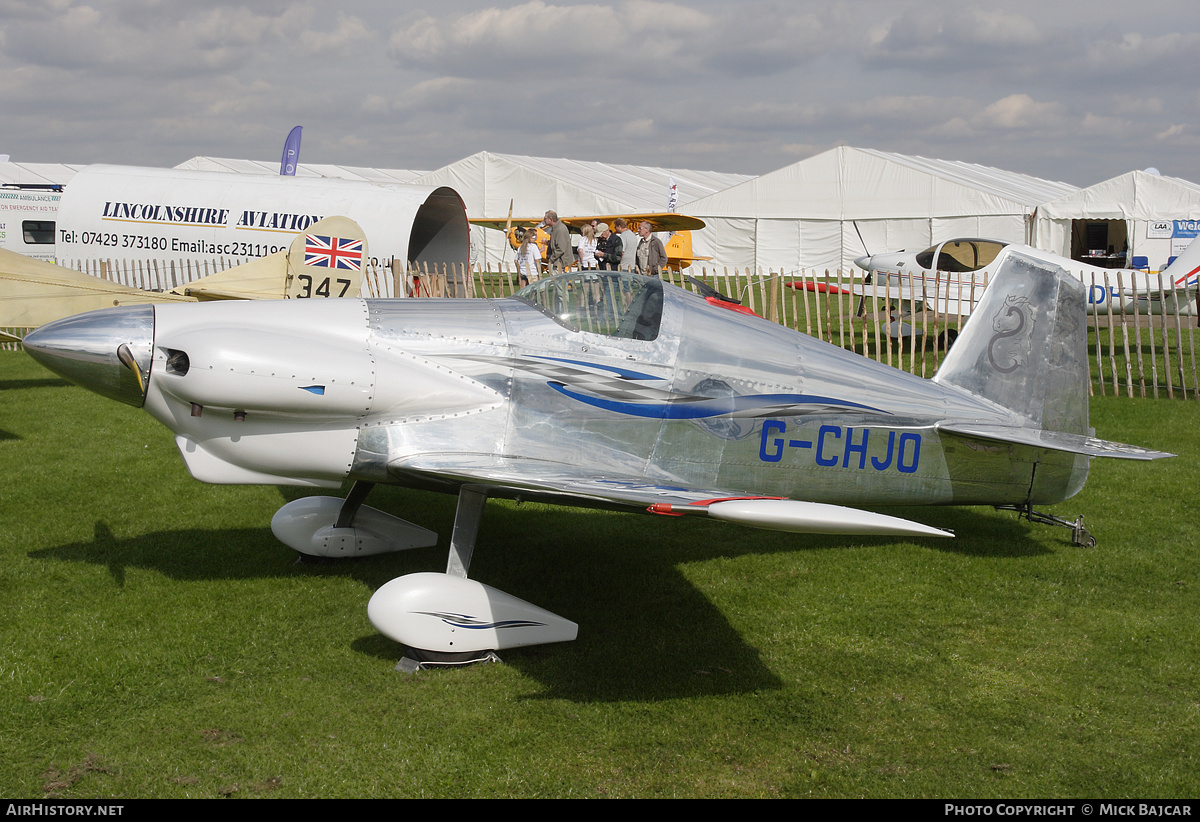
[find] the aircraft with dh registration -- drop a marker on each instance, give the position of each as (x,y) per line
(950,277)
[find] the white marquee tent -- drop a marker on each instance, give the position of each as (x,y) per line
(808,216)
(37,174)
(489,182)
(373,175)
(1151,215)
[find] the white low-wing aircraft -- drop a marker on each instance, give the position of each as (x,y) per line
(601,389)
(950,278)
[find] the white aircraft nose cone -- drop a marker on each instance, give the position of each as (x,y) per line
(107,351)
(864,262)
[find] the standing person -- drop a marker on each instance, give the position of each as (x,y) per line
(529,258)
(587,248)
(609,249)
(629,242)
(559,253)
(651,256)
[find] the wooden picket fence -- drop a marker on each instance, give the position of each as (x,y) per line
(154,275)
(1136,355)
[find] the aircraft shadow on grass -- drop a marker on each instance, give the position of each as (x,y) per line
(672,642)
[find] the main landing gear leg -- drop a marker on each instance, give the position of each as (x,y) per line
(354,500)
(466,529)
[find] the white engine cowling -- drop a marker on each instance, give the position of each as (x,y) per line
(452,615)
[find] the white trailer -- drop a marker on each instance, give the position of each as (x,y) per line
(27,219)
(128,213)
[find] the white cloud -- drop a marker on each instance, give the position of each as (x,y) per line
(743,86)
(506,41)
(1018,111)
(964,36)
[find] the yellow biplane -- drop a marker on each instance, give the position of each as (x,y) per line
(678,248)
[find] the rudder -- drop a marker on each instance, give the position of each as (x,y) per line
(1025,346)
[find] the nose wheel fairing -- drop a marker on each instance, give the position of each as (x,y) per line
(310,525)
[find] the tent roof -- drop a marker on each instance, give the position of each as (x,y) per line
(1137,195)
(373,175)
(848,183)
(38,173)
(488,182)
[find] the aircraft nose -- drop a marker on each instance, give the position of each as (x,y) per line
(864,262)
(107,351)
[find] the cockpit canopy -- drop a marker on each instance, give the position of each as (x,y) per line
(612,303)
(959,256)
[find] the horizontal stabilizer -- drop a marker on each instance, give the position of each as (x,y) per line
(340,257)
(1053,440)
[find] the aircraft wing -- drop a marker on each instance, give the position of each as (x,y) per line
(946,297)
(1178,299)
(33,293)
(563,483)
(949,296)
(660,221)
(504,223)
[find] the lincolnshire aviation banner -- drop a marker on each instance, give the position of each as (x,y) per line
(203,216)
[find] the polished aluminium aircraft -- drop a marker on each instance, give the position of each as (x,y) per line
(951,275)
(602,389)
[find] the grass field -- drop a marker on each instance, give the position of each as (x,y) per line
(157,641)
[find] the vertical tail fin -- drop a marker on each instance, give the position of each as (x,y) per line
(1025,346)
(679,250)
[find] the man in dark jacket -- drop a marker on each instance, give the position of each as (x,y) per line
(609,248)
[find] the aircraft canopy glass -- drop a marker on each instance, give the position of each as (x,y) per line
(960,255)
(612,303)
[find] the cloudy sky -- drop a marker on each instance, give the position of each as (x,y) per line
(1072,92)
